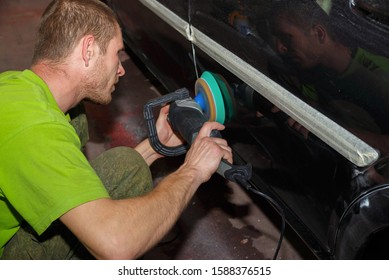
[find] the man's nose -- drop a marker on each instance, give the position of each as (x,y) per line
(121,70)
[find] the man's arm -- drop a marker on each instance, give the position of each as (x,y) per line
(147,152)
(126,229)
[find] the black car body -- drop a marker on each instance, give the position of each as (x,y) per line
(332,184)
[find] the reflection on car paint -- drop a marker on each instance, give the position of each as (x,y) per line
(338,208)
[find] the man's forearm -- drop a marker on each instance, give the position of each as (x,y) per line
(126,229)
(147,152)
(169,199)
(122,229)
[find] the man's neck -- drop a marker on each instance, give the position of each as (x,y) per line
(62,86)
(338,58)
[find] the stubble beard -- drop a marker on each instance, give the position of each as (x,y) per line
(97,88)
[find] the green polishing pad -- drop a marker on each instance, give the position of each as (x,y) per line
(210,98)
(228,97)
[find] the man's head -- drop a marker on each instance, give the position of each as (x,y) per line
(65,22)
(81,39)
(301,29)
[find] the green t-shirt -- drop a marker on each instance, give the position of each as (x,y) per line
(364,84)
(43,173)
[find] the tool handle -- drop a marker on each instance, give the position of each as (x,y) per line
(187,119)
(230,171)
(150,120)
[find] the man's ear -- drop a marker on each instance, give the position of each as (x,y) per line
(321,33)
(88,49)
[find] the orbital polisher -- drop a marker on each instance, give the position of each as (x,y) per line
(213,101)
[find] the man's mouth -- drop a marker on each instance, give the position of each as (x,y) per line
(114,85)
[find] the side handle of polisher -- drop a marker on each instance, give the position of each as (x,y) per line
(182,93)
(186,117)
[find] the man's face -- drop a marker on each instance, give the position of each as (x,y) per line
(299,47)
(105,73)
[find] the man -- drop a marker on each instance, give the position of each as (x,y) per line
(348,83)
(47,185)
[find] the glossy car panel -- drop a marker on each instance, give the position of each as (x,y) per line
(335,203)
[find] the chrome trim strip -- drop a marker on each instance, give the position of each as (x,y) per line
(347,144)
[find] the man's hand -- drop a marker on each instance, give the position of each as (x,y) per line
(206,152)
(165,133)
(298,127)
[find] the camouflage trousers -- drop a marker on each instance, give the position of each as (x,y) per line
(123,172)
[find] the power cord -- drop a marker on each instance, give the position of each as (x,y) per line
(244,183)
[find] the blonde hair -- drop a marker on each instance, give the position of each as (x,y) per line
(65,22)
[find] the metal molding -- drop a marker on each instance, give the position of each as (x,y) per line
(345,143)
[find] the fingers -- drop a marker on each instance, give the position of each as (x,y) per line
(206,152)
(165,133)
(275,109)
(292,123)
(219,145)
(163,114)
(164,110)
(205,132)
(207,128)
(226,150)
(298,127)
